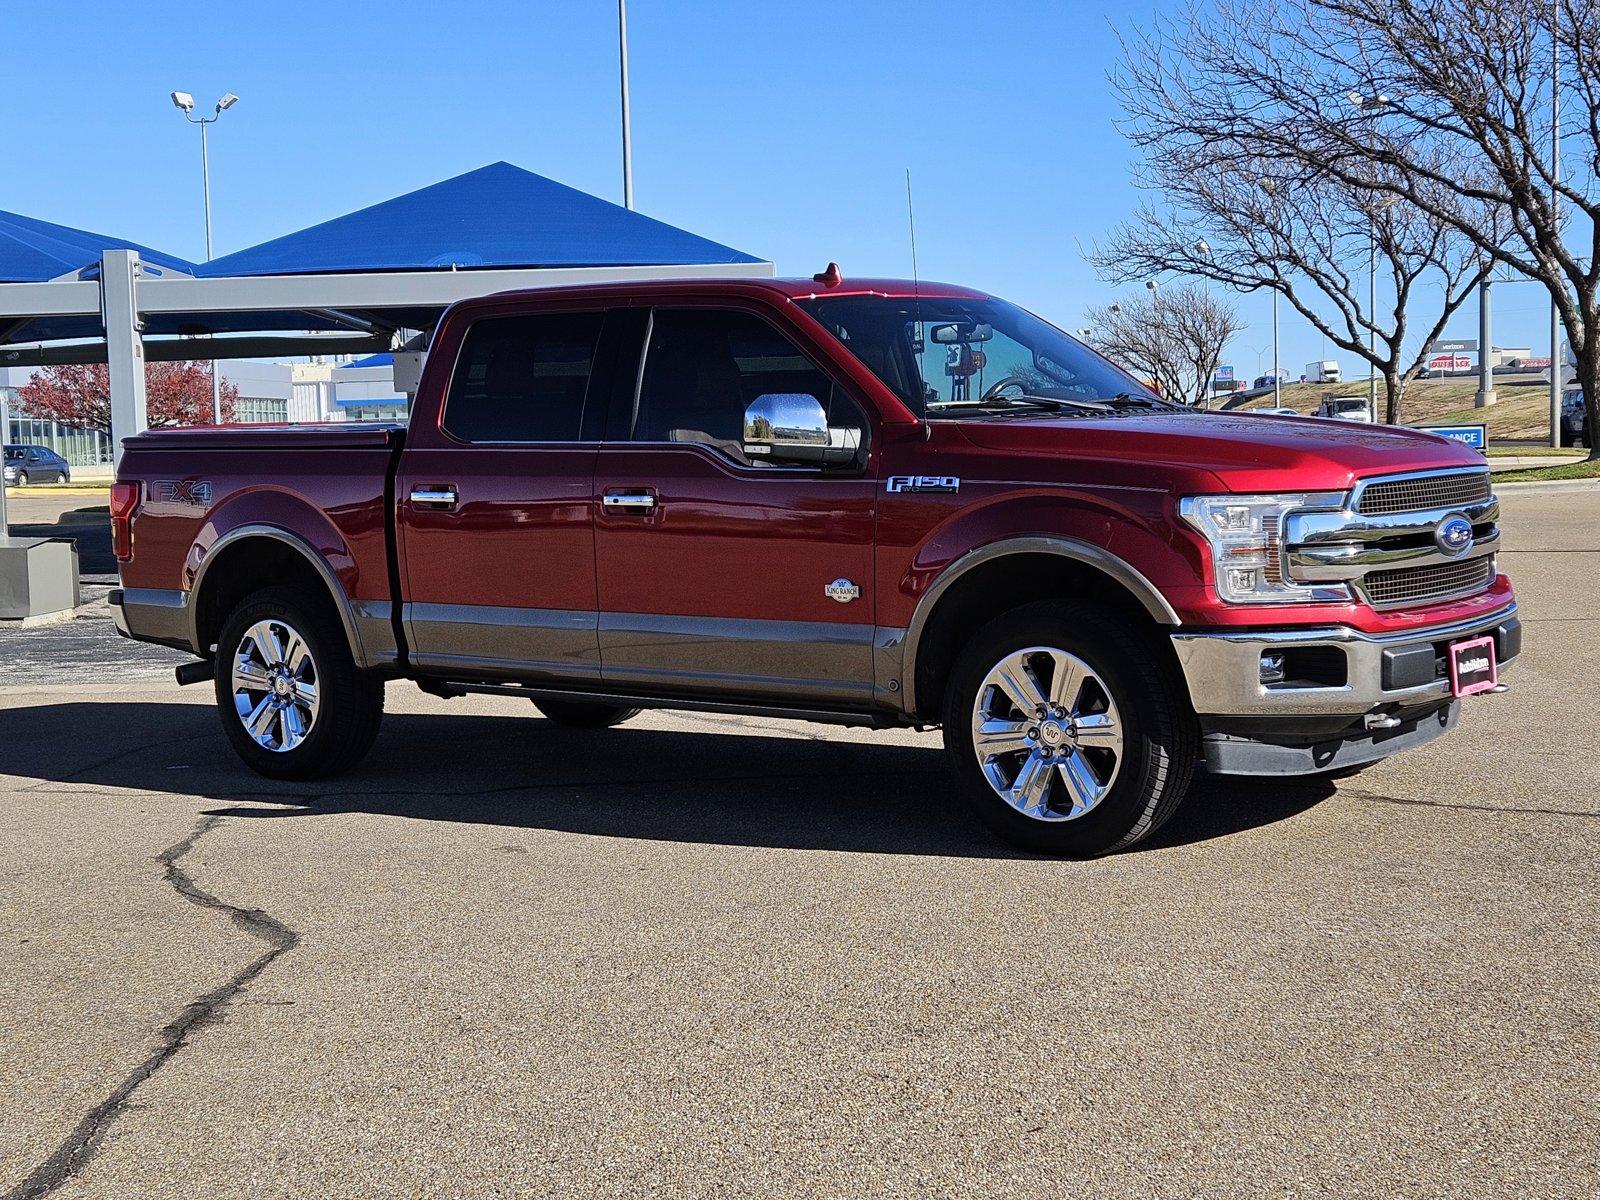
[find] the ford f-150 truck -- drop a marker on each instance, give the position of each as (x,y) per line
(865,502)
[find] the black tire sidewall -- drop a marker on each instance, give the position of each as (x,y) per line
(1153,741)
(346,699)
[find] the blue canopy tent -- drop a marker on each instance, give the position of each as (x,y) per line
(498,221)
(32,251)
(354,284)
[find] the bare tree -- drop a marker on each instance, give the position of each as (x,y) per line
(1174,337)
(1318,243)
(1430,101)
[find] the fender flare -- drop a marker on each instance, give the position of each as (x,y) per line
(1108,564)
(306,551)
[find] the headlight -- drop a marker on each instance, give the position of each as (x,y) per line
(1246,538)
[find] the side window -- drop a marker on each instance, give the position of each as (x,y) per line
(702,369)
(523,379)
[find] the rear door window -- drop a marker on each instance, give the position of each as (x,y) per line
(523,379)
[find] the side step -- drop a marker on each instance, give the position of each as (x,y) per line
(824,716)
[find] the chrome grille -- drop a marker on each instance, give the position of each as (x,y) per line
(1422,585)
(1419,493)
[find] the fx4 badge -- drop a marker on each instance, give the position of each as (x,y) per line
(924,483)
(184,491)
(842,590)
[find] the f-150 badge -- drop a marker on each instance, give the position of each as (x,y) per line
(924,483)
(842,590)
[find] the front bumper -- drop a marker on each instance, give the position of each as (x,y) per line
(1331,670)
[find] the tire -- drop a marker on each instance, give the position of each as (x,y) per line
(579,714)
(1568,439)
(307,734)
(22,479)
(66,477)
(1139,738)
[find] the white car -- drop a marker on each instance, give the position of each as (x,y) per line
(1345,408)
(1272,412)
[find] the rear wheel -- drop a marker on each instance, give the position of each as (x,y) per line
(293,703)
(1067,732)
(580,714)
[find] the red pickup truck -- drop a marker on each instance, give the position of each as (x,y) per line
(864,502)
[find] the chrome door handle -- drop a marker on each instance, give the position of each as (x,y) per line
(433,495)
(636,502)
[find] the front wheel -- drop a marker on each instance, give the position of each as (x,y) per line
(1067,732)
(293,703)
(22,479)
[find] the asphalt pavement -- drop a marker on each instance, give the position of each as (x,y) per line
(704,956)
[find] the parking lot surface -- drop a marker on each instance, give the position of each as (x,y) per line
(706,956)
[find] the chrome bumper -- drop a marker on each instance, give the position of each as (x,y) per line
(1400,670)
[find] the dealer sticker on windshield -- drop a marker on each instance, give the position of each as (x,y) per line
(1472,667)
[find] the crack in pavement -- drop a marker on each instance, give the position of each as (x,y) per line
(81,1144)
(1379,798)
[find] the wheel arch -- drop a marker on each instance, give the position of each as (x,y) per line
(253,556)
(1002,575)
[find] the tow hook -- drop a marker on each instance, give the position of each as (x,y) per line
(1379,720)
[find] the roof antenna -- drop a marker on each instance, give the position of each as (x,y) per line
(916,316)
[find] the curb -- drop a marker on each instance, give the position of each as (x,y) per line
(1548,485)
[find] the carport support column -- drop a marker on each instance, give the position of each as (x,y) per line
(119,308)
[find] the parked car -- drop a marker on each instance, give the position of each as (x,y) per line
(757,497)
(1346,408)
(1272,412)
(1574,419)
(35,464)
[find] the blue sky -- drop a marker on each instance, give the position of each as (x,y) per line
(783,129)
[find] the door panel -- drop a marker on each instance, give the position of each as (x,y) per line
(719,582)
(495,505)
(503,579)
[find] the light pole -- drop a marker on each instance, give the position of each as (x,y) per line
(1485,396)
(1375,103)
(185,102)
(627,123)
(1555,220)
(1208,386)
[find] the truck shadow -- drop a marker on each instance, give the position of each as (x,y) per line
(747,786)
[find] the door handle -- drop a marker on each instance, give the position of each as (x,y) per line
(619,501)
(441,496)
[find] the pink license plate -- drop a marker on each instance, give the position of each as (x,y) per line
(1472,667)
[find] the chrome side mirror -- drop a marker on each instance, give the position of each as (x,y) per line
(793,427)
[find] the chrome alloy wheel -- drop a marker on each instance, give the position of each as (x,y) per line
(1047,734)
(275,685)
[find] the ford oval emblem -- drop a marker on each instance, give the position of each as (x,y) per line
(1454,534)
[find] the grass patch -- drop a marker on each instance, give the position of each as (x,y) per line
(1568,452)
(1583,469)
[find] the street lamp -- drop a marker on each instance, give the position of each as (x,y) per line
(1270,187)
(627,123)
(185,102)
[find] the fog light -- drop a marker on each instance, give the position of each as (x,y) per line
(1272,668)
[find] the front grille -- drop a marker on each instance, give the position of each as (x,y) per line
(1420,585)
(1424,492)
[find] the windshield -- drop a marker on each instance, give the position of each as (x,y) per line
(951,357)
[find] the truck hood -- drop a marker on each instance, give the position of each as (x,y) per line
(1247,454)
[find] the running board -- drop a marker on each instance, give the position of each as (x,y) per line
(824,716)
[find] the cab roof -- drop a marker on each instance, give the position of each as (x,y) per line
(787,289)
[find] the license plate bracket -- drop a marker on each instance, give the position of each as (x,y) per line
(1473,667)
